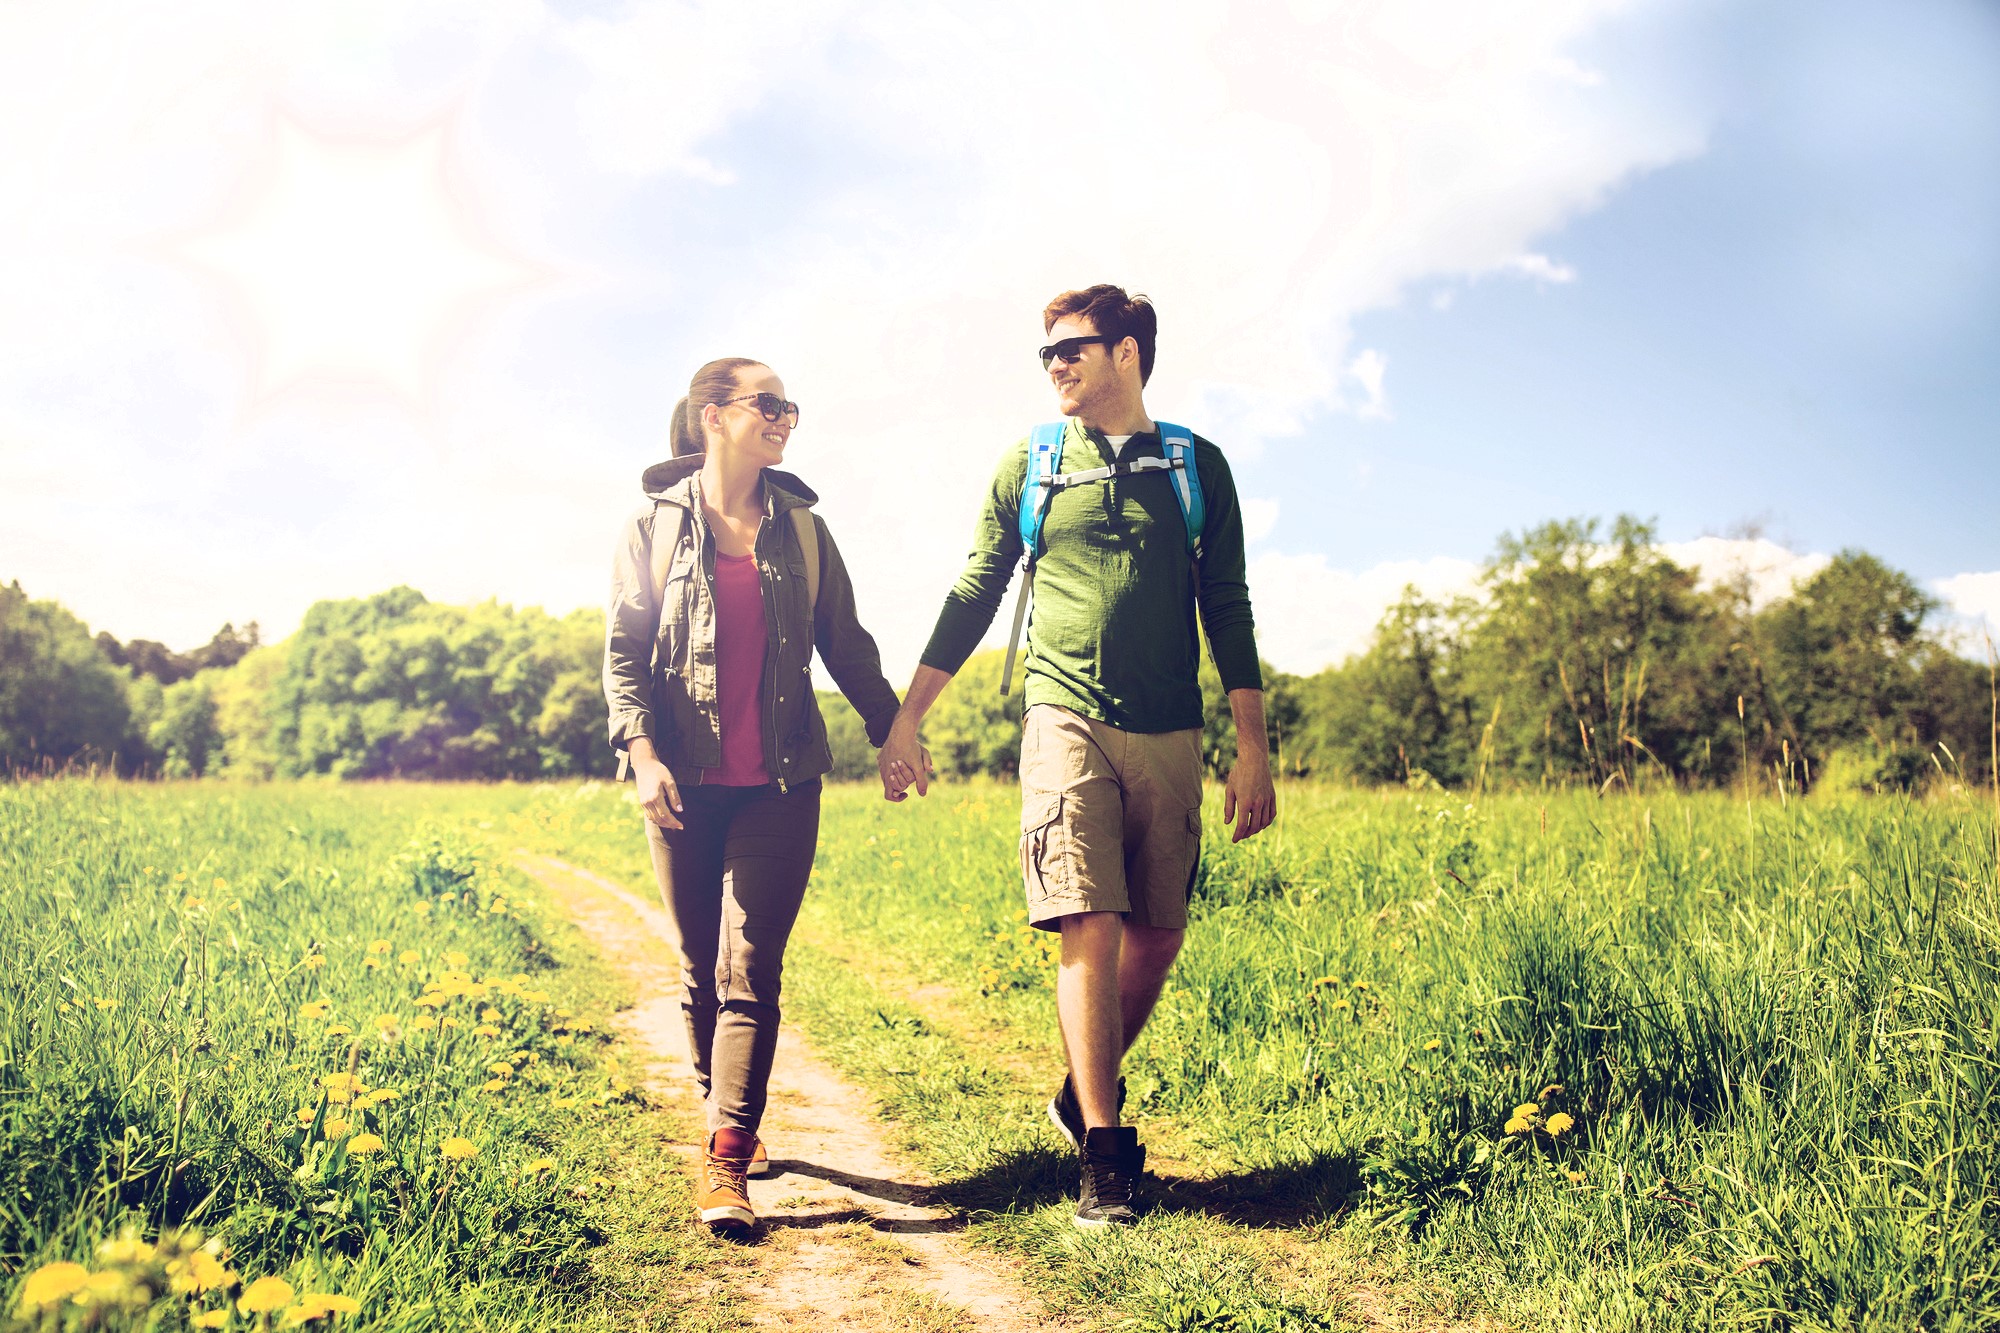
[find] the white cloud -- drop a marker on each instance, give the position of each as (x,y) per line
(1259,517)
(1768,570)
(1541,268)
(1311,615)
(1266,173)
(1368,369)
(1972,611)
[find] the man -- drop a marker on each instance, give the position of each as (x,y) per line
(1111,735)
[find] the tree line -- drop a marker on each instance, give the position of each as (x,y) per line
(1580,658)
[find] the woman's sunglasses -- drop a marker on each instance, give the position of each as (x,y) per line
(1070,350)
(769,406)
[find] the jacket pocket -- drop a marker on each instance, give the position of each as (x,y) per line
(1044,849)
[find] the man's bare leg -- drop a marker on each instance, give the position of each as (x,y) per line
(1146,957)
(1088,1007)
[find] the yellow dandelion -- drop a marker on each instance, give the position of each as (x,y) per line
(211,1319)
(319,1305)
(180,877)
(500,1069)
(335,1128)
(490,1015)
(52,1284)
(381,1095)
(265,1295)
(378,946)
(221,885)
(313,962)
(305,1115)
(1559,1124)
(1527,1109)
(1433,1044)
(315,1008)
(456,959)
(458,1149)
(538,1165)
(148,870)
(1340,1004)
(448,1022)
(1575,1177)
(431,1000)
(581,1025)
(408,956)
(194,904)
(562,1103)
(1519,1125)
(206,1272)
(1325,981)
(340,1088)
(421,908)
(565,1013)
(1361,985)
(493,1085)
(363,1144)
(1553,1090)
(106,1005)
(486,1030)
(340,1030)
(423,1023)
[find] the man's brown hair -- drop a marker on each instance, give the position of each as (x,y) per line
(1112,313)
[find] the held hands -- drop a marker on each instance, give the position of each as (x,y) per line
(1248,799)
(903,762)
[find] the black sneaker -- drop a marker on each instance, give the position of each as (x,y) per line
(1067,1115)
(1112,1162)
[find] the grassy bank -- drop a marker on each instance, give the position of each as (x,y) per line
(275,1054)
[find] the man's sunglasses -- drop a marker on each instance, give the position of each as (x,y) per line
(1070,350)
(769,406)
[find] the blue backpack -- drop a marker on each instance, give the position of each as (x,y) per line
(1039,487)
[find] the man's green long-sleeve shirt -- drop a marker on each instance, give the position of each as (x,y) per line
(1112,632)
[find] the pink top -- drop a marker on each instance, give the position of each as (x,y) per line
(739,671)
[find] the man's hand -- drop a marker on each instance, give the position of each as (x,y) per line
(903,761)
(658,796)
(1249,801)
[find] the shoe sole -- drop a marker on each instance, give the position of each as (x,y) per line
(1101,1223)
(1055,1118)
(759,1170)
(729,1217)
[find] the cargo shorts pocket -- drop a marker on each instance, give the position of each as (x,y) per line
(1044,850)
(1193,853)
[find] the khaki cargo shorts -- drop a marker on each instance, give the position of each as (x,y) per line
(1110,819)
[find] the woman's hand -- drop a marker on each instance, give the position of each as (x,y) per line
(658,796)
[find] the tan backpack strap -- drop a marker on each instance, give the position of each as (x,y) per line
(664,543)
(808,534)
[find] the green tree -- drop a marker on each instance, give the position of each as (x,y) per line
(1396,708)
(60,701)
(186,734)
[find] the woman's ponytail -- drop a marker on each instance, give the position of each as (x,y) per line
(713,383)
(684,434)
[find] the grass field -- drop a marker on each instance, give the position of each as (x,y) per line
(1548,1062)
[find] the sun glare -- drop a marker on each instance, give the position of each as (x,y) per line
(353,264)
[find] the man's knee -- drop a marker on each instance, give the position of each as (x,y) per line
(1153,944)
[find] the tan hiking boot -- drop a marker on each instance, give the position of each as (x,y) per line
(722,1198)
(760,1163)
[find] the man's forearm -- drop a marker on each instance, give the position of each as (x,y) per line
(925,687)
(1246,706)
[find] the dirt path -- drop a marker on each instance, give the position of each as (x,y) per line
(847,1237)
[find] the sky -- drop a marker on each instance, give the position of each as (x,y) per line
(309,301)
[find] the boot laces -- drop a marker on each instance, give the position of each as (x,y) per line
(1112,1177)
(726,1173)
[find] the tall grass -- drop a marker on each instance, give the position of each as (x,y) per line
(1652,1061)
(318,1030)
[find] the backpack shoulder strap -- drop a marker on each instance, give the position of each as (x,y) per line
(1044,456)
(1177,445)
(666,537)
(808,534)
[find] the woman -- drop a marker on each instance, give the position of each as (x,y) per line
(723,586)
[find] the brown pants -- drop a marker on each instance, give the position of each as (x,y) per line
(732,879)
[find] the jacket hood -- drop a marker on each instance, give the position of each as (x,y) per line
(669,482)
